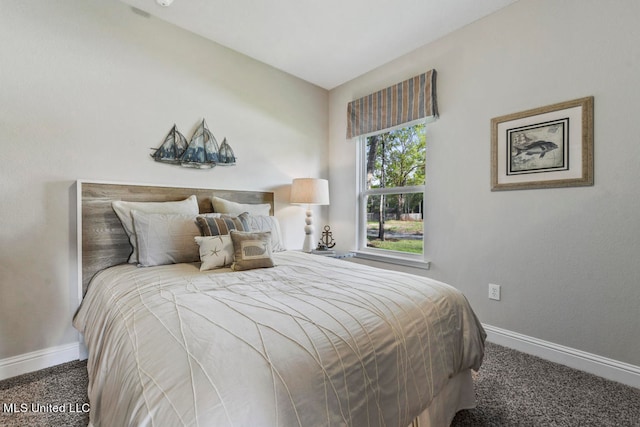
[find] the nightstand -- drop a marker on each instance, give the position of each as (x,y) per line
(334,254)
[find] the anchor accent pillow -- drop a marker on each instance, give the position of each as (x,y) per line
(251,250)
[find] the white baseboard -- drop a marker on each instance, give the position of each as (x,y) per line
(610,369)
(40,359)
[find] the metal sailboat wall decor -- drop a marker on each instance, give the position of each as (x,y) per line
(202,152)
(172,148)
(225,154)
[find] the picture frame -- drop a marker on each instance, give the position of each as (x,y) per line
(546,147)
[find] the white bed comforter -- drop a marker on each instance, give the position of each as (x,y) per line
(312,342)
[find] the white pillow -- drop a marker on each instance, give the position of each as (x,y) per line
(123,211)
(229,207)
(165,238)
(268,223)
(215,251)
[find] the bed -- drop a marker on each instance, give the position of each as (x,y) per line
(309,341)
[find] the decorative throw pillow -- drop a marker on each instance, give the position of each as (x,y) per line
(223,224)
(123,211)
(165,238)
(268,223)
(229,207)
(251,250)
(215,251)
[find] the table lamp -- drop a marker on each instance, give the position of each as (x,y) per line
(309,191)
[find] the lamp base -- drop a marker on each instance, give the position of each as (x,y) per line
(308,243)
(308,231)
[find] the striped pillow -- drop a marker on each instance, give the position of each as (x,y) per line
(222,225)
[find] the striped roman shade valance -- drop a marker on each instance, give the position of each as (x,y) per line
(404,102)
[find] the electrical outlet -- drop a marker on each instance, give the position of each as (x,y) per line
(494,292)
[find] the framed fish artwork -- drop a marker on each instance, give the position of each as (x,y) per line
(544,147)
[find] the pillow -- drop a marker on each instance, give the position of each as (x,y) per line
(215,251)
(268,223)
(216,226)
(165,238)
(211,215)
(251,250)
(229,207)
(123,211)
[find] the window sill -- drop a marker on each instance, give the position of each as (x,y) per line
(415,263)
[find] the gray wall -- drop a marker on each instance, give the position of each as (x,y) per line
(86,89)
(567,259)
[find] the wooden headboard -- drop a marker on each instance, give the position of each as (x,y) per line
(102,241)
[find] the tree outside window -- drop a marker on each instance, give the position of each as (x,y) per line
(394,189)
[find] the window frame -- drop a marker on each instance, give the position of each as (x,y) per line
(376,254)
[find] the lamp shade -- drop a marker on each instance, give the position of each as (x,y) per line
(310,191)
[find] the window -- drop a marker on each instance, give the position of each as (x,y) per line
(392,184)
(390,126)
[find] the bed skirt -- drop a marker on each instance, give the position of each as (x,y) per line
(458,394)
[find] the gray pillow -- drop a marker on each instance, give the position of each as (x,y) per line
(165,238)
(251,250)
(123,211)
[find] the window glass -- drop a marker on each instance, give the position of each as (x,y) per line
(395,222)
(393,169)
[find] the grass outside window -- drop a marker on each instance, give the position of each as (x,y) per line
(401,236)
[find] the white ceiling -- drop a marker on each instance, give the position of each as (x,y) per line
(325,42)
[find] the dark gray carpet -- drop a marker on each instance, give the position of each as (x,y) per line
(512,389)
(517,389)
(39,394)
